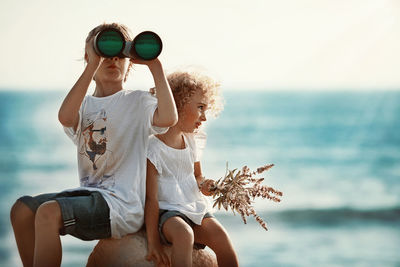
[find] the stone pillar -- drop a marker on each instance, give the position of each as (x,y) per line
(131,250)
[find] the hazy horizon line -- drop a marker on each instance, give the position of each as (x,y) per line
(224,87)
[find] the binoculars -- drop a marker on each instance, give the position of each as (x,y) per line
(111,43)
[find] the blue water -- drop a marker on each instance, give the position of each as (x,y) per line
(336,156)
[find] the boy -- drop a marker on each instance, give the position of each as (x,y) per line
(111,130)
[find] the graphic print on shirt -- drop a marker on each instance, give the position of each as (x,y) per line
(94,132)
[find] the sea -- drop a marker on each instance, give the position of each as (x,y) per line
(336,157)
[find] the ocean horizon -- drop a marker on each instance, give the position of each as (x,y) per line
(336,157)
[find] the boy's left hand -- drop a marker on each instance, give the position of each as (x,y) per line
(149,63)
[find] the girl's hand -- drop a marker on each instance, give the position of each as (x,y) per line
(156,254)
(206,185)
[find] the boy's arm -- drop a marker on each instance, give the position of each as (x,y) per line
(166,114)
(68,114)
(151,215)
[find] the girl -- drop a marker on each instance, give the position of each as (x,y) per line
(111,130)
(176,212)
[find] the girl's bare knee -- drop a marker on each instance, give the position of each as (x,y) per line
(48,214)
(185,234)
(178,231)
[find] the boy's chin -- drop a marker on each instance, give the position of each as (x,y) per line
(113,76)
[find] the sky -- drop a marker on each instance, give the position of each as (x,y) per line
(264,44)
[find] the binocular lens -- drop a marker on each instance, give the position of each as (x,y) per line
(110,43)
(147,45)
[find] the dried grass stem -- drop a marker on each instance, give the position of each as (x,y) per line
(238,189)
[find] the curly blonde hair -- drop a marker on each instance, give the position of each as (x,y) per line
(185,83)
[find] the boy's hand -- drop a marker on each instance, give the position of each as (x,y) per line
(150,63)
(206,185)
(90,55)
(156,254)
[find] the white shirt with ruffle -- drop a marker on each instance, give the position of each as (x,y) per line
(177,186)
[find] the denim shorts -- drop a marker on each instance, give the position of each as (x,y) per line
(85,213)
(166,214)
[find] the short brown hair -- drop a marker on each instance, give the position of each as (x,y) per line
(126,32)
(118,26)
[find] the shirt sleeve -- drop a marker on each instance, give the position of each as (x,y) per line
(200,140)
(197,142)
(152,156)
(149,104)
(71,133)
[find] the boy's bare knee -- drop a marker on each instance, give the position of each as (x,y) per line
(49,214)
(20,213)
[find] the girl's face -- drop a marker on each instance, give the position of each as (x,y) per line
(193,112)
(112,70)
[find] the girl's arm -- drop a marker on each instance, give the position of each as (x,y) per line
(203,184)
(166,114)
(198,174)
(155,251)
(68,114)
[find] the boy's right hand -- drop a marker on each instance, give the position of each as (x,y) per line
(90,55)
(156,254)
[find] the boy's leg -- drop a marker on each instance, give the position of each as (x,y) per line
(212,234)
(45,214)
(23,223)
(180,234)
(48,222)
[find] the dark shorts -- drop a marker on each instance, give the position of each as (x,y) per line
(85,214)
(166,214)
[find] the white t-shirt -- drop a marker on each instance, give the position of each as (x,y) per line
(112,140)
(177,186)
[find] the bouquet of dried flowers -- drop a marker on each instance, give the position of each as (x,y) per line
(238,189)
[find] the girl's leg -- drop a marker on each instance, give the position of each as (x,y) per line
(48,222)
(23,223)
(212,234)
(180,234)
